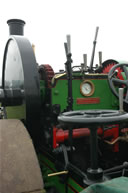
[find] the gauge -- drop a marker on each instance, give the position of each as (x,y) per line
(87,88)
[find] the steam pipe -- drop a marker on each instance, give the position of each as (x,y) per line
(16,27)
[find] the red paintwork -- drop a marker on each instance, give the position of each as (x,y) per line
(60,135)
(81,101)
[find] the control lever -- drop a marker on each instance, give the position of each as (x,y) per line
(121,95)
(100,59)
(68,69)
(85,62)
(93,51)
(84,65)
(69,43)
(66,49)
(67,46)
(58,173)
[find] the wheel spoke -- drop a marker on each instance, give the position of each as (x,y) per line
(125,71)
(119,81)
(126,97)
(115,79)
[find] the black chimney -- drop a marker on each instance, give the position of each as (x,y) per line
(16,27)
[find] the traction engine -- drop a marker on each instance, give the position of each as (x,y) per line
(76,119)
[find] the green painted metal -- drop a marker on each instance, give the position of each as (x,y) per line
(102,91)
(16,112)
(48,167)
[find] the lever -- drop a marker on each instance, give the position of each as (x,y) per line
(100,59)
(69,43)
(58,173)
(85,62)
(121,94)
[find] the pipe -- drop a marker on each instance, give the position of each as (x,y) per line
(16,27)
(60,135)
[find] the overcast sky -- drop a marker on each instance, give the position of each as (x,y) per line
(49,21)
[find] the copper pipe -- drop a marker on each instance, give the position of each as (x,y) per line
(123,138)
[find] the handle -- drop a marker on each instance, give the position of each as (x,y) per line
(121,94)
(69,43)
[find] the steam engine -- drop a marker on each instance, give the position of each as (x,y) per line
(49,104)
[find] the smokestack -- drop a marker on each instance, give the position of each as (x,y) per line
(16,27)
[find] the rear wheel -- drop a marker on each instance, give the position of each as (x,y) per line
(19,167)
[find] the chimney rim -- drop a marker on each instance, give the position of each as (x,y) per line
(20,21)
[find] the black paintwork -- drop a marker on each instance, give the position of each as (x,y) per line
(19,58)
(16,26)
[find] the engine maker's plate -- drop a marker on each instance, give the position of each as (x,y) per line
(20,72)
